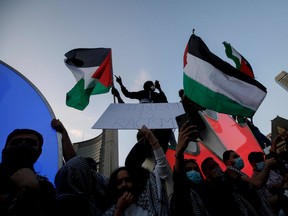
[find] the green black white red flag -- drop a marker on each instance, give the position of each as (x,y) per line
(92,69)
(241,63)
(215,84)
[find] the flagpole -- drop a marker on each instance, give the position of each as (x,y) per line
(112,79)
(113,94)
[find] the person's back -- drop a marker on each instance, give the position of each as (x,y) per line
(22,190)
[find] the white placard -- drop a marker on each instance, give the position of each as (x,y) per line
(134,116)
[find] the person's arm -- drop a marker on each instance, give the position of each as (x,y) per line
(68,150)
(126,93)
(260,180)
(187,133)
(162,96)
(181,202)
(161,163)
(138,154)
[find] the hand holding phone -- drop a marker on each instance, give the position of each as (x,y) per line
(182,119)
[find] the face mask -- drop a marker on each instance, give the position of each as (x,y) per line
(152,88)
(239,164)
(260,165)
(194,176)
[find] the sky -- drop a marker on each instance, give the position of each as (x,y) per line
(148,40)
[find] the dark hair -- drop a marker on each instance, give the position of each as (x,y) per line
(138,176)
(147,85)
(112,186)
(204,165)
(181,93)
(191,160)
(24,131)
(226,155)
(186,161)
(255,156)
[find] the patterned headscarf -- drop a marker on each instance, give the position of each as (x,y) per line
(80,177)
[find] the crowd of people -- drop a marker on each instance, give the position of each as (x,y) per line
(197,189)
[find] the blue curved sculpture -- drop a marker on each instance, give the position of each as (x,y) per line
(23,106)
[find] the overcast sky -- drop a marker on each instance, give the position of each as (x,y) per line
(148,39)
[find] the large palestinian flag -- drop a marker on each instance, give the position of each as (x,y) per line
(214,84)
(92,69)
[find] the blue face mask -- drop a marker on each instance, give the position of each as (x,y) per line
(260,166)
(239,164)
(194,176)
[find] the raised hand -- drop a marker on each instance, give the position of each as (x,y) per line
(123,202)
(187,133)
(148,135)
(57,125)
(118,79)
(157,84)
(25,178)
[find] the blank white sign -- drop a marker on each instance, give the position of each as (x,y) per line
(134,116)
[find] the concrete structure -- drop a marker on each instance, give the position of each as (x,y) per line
(103,149)
(282,79)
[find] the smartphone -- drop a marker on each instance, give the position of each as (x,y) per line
(181,119)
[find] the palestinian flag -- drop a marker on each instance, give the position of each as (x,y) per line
(241,63)
(215,84)
(92,69)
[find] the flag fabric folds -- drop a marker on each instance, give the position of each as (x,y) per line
(92,69)
(215,84)
(241,63)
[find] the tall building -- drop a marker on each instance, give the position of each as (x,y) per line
(103,149)
(282,79)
